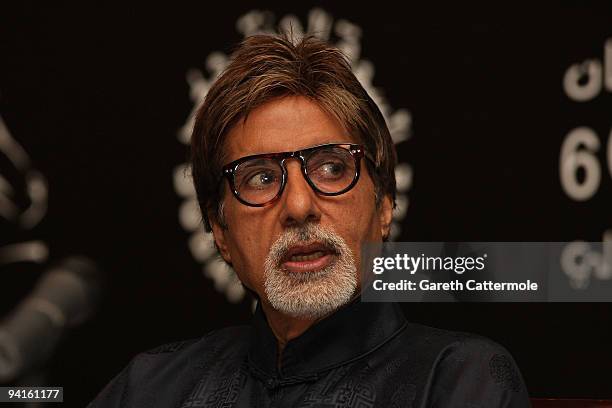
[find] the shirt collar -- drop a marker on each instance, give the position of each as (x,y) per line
(348,334)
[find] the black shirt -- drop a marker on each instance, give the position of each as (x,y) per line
(364,355)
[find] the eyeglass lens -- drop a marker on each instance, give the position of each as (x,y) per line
(330,169)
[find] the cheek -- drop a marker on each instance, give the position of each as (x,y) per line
(359,213)
(356,219)
(247,245)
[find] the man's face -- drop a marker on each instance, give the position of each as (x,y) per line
(330,229)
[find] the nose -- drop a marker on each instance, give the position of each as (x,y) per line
(299,201)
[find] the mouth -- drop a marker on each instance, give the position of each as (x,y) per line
(308,258)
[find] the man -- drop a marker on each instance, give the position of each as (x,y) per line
(294,171)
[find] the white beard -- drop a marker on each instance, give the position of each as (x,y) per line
(310,295)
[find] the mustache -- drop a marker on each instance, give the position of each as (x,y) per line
(304,235)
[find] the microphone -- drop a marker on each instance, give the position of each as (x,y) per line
(65,296)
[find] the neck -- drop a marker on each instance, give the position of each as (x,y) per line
(285,328)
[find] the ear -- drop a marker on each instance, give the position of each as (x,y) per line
(220,238)
(385,214)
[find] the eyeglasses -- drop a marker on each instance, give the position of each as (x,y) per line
(330,169)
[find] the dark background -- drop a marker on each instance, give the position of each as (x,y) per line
(97,94)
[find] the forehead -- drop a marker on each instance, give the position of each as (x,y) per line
(286,124)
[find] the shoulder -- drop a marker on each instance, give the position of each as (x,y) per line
(170,370)
(432,344)
(227,339)
(445,344)
(219,345)
(469,368)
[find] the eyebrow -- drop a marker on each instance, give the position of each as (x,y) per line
(254,161)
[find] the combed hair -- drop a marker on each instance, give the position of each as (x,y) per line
(267,67)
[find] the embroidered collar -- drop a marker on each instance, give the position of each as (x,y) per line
(348,334)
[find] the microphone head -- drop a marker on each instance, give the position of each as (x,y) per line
(73,287)
(66,295)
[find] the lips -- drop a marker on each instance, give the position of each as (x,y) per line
(308,258)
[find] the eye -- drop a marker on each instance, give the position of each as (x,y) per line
(331,170)
(261,180)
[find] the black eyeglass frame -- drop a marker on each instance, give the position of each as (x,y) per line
(357,151)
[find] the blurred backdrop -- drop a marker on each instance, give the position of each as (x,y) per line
(502,120)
